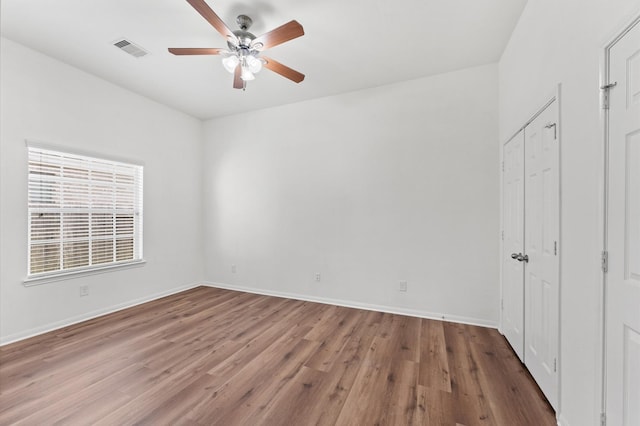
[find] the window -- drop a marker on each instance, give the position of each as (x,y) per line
(84,212)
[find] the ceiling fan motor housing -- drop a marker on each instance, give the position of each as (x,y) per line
(244,22)
(244,37)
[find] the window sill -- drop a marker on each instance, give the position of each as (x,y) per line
(44,279)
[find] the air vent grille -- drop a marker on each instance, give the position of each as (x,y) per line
(130,47)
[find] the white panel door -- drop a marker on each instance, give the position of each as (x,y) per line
(513,223)
(542,193)
(623,276)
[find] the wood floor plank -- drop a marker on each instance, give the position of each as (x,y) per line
(260,402)
(302,402)
(153,393)
(238,398)
(316,397)
(436,407)
(209,356)
(473,407)
(257,341)
(331,345)
(492,371)
(390,380)
(434,365)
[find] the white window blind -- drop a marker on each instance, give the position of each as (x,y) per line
(84,212)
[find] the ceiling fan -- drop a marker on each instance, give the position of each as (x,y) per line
(243,57)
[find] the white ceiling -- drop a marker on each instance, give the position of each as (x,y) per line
(348,44)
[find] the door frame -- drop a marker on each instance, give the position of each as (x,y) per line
(554,95)
(503,251)
(605,72)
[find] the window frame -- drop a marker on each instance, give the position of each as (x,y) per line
(137,220)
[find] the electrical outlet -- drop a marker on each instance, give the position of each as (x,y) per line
(233,269)
(317,276)
(84,290)
(402,286)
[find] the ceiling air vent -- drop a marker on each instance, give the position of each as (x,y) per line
(130,47)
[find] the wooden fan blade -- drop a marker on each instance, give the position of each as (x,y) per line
(208,14)
(283,70)
(238,82)
(195,50)
(286,32)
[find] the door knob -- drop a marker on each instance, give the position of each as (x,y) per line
(520,257)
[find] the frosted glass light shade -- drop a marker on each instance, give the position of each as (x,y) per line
(230,63)
(247,74)
(254,64)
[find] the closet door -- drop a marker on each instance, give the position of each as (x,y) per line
(513,246)
(623,231)
(542,292)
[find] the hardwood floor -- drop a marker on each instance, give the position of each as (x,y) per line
(217,357)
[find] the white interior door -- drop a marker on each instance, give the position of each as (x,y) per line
(623,276)
(542,193)
(513,223)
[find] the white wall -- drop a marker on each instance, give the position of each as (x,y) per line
(368,188)
(562,42)
(46,100)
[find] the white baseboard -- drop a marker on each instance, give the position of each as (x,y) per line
(12,338)
(358,305)
(562,421)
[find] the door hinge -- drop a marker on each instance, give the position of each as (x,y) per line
(555,248)
(605,94)
(603,419)
(502,236)
(555,365)
(605,261)
(502,304)
(555,129)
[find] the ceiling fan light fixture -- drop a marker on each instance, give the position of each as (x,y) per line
(247,75)
(230,63)
(254,64)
